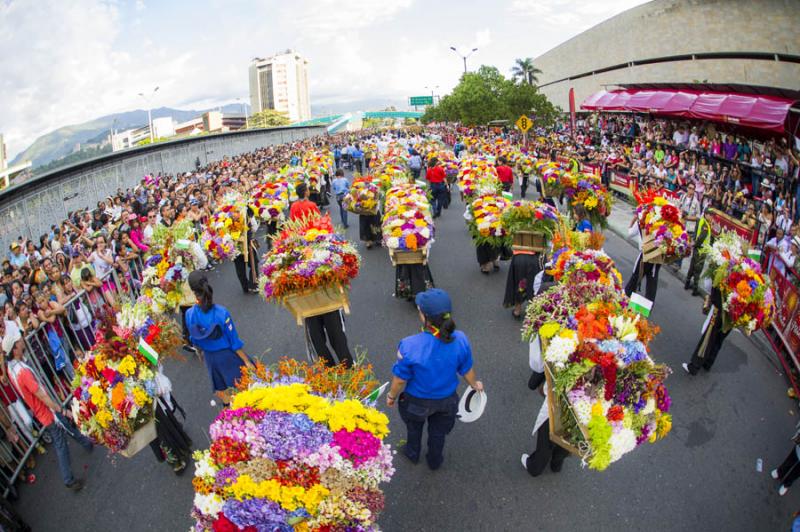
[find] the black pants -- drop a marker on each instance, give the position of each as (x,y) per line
(244,273)
(184,328)
(789,470)
(524,186)
(329,325)
(546,452)
(359,166)
(441,417)
(707,350)
(650,272)
(695,268)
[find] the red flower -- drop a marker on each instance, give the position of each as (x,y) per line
(615,413)
(223,524)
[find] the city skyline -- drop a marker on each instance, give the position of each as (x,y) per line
(58,74)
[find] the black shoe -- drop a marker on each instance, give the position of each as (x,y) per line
(535,380)
(190,348)
(555,466)
(686,286)
(179,468)
(695,292)
(77,484)
(404,451)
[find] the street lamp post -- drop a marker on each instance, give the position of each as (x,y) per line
(464,57)
(149,109)
(432,89)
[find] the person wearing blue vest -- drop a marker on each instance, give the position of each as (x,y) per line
(426,372)
(211,329)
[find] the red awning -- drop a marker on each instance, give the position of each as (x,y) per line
(747,110)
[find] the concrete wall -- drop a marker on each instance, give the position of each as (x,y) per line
(673,27)
(29,209)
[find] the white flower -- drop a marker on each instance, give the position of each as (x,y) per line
(208,504)
(425,232)
(583,411)
(559,350)
(649,407)
(622,442)
(392,242)
(204,467)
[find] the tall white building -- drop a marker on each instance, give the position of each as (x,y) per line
(280,82)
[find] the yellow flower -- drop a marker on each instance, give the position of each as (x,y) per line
(104,418)
(128,366)
(591,202)
(289,497)
(140,397)
(97,394)
(597,409)
(548,330)
(100,362)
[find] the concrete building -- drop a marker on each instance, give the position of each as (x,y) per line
(212,121)
(123,140)
(163,127)
(734,45)
(280,82)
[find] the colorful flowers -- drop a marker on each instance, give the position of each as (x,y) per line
(485,224)
(286,457)
(660,221)
(523,215)
(477,176)
(407,221)
(114,385)
(588,191)
(270,200)
(308,255)
(570,266)
(362,198)
(226,232)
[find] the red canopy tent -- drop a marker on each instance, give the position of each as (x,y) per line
(759,112)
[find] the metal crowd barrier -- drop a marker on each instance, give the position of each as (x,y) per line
(70,335)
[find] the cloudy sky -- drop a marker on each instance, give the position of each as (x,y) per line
(66,62)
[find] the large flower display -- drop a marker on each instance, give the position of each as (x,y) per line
(407,221)
(477,176)
(571,266)
(660,221)
(226,230)
(393,174)
(114,385)
(167,267)
(485,223)
(363,197)
(588,191)
(748,302)
(299,449)
(534,216)
(269,200)
(308,255)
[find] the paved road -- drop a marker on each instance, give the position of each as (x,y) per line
(702,477)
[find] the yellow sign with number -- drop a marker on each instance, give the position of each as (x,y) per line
(524,123)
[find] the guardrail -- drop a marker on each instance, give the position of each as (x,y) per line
(30,208)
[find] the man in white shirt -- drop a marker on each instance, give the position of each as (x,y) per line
(693,138)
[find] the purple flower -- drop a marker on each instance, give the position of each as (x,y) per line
(263,514)
(291,435)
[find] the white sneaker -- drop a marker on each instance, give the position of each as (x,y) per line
(524,460)
(782,490)
(685,367)
(774,474)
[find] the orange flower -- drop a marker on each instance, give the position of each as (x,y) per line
(743,288)
(118,396)
(411,241)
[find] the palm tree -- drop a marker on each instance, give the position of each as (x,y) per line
(524,70)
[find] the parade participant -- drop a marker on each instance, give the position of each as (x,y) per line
(488,257)
(711,340)
(245,263)
(789,470)
(520,283)
(436,177)
(505,174)
(647,269)
(415,164)
(329,328)
(172,445)
(426,372)
(546,451)
(303,207)
(340,188)
(211,329)
(48,412)
(369,229)
(702,237)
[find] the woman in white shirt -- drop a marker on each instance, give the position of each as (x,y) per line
(103,261)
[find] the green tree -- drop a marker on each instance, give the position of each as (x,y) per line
(268,118)
(524,71)
(486,95)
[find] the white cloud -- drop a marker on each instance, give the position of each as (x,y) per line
(139,5)
(575,15)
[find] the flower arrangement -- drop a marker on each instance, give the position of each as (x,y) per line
(485,224)
(167,266)
(555,177)
(588,191)
(298,449)
(447,160)
(578,241)
(270,200)
(611,394)
(525,162)
(748,302)
(407,222)
(308,255)
(363,196)
(477,176)
(661,221)
(226,230)
(571,266)
(393,174)
(293,176)
(114,385)
(524,215)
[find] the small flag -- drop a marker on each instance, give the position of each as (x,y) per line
(754,254)
(420,183)
(376,393)
(182,244)
(508,195)
(640,305)
(148,352)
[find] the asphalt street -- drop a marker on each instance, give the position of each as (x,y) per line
(701,477)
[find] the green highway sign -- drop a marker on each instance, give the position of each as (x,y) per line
(420,100)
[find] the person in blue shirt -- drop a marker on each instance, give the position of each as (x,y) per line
(337,156)
(358,158)
(583,224)
(341,186)
(211,329)
(426,372)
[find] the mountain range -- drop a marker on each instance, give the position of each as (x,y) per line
(62,141)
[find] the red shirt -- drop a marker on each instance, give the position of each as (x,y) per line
(302,208)
(27,385)
(435,174)
(505,174)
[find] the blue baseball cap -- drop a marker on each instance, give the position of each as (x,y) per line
(434,302)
